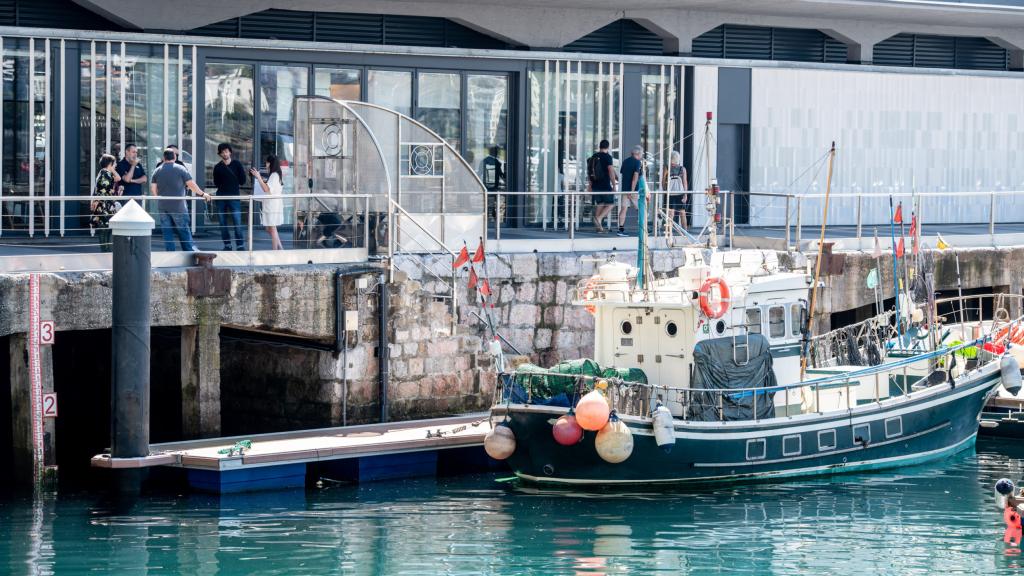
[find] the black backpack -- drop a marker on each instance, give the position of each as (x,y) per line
(593,168)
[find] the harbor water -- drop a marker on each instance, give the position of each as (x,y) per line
(930,519)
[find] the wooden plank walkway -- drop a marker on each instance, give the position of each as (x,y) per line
(313,445)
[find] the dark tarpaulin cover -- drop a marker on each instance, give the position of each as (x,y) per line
(714,368)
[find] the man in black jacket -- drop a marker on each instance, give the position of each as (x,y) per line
(229,177)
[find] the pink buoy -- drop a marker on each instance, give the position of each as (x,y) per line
(566,430)
(592,411)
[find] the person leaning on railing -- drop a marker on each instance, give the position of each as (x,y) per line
(107,181)
(170,181)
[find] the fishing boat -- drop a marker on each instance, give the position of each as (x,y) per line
(712,374)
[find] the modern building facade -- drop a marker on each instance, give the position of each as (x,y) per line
(920,97)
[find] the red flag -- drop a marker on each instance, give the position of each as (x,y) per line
(900,248)
(472,279)
(898,217)
(462,259)
(485,289)
(478,256)
(913,224)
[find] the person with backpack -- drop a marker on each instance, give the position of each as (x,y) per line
(601,180)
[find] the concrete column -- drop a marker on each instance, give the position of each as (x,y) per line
(22,411)
(200,380)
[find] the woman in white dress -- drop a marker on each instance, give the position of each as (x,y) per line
(272,212)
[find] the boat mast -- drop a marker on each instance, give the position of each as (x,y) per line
(817,263)
(712,190)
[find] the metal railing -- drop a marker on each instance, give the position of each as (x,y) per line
(638,399)
(437,251)
(302,234)
(568,215)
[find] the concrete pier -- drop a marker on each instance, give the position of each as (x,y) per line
(259,353)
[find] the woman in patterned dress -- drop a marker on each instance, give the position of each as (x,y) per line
(106,185)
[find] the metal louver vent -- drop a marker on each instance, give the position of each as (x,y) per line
(620,37)
(351,28)
(278,24)
(928,51)
(52,14)
(767,43)
(413,31)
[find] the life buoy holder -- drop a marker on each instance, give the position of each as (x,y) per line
(714,308)
(590,293)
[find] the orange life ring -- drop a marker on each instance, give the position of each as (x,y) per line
(589,293)
(717,308)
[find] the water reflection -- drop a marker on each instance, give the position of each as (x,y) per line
(921,520)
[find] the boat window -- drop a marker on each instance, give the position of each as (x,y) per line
(893,426)
(671,328)
(776,322)
(754,320)
(626,327)
(827,440)
(794,318)
(862,434)
(791,445)
(756,449)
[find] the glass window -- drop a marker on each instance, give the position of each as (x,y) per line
(794,327)
(338,83)
(439,103)
(279,85)
(776,322)
(21,154)
(390,89)
(229,112)
(754,320)
(487,129)
(827,440)
(657,132)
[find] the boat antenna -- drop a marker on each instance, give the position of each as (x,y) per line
(817,262)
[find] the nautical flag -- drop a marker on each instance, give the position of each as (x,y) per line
(472,278)
(900,248)
(485,288)
(462,259)
(873,278)
(941,243)
(478,256)
(913,234)
(898,217)
(878,246)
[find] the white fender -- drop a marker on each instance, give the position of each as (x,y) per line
(1009,371)
(664,429)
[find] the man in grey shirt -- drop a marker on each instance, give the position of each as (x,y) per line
(169,180)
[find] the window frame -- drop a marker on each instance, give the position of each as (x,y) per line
(827,448)
(764,449)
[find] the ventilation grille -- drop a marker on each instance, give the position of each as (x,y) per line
(52,14)
(620,37)
(767,43)
(351,28)
(925,51)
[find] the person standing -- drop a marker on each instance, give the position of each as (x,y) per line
(602,182)
(272,214)
(101,210)
(170,181)
(673,179)
(132,174)
(228,178)
(632,184)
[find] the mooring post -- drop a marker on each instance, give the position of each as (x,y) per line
(132,228)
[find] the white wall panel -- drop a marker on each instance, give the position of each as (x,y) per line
(895,134)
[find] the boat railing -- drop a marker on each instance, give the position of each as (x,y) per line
(640,398)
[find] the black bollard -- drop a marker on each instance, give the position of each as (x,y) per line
(132,229)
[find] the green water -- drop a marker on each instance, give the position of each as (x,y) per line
(932,519)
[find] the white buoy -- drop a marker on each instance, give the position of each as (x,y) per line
(614,443)
(500,442)
(664,428)
(1009,372)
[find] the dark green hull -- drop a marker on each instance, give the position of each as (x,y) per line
(926,425)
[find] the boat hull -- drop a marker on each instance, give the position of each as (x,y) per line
(928,425)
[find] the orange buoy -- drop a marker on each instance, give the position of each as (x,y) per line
(589,294)
(592,411)
(1012,534)
(566,430)
(714,308)
(500,442)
